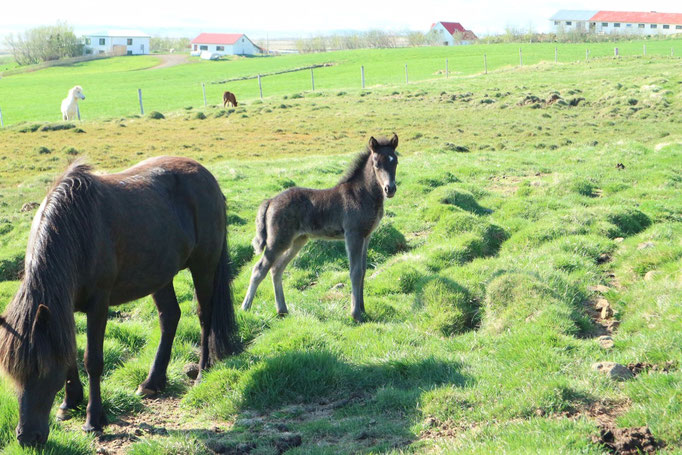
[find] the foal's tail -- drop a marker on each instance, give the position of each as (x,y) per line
(261,228)
(223,338)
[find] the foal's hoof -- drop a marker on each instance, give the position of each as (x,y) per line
(63,414)
(145,392)
(282,314)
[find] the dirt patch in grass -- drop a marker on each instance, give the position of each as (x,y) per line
(627,441)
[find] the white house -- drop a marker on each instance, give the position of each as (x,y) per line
(224,44)
(117,42)
(452,33)
(618,22)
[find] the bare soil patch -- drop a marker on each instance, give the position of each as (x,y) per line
(168,60)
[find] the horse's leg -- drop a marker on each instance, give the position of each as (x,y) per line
(260,270)
(278,269)
(73,393)
(98,308)
(169,316)
(355,246)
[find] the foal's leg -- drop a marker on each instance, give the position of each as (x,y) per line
(278,269)
(260,270)
(169,316)
(98,308)
(355,246)
(73,393)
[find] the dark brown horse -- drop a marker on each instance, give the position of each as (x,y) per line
(102,240)
(228,97)
(351,210)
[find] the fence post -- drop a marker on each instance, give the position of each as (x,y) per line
(520,57)
(260,87)
(78,111)
(556,54)
(587,54)
(362,75)
(447,70)
(139,95)
(312,79)
(203,89)
(407,81)
(615,52)
(672,52)
(644,49)
(2,123)
(485,63)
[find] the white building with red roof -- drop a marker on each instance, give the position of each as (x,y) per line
(224,44)
(451,33)
(619,22)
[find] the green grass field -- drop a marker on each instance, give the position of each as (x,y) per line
(111,85)
(481,284)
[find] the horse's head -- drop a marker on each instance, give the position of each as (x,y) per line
(77,92)
(385,162)
(37,380)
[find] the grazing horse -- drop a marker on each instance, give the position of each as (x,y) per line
(70,103)
(228,97)
(101,240)
(351,210)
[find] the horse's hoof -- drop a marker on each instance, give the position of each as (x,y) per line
(145,392)
(89,428)
(282,314)
(63,414)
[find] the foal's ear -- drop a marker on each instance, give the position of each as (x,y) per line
(373,144)
(394,141)
(42,319)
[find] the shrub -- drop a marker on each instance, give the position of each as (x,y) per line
(155,115)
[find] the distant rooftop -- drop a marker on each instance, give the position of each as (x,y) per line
(573,15)
(121,33)
(217,38)
(651,17)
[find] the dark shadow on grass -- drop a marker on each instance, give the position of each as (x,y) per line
(346,408)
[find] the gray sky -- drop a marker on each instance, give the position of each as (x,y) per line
(295,18)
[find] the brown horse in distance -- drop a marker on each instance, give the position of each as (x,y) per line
(351,211)
(228,97)
(102,240)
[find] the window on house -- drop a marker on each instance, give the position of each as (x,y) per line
(569,23)
(653,26)
(604,24)
(557,22)
(641,26)
(102,41)
(678,27)
(195,47)
(628,25)
(616,24)
(129,53)
(666,27)
(87,41)
(220,48)
(203,48)
(130,41)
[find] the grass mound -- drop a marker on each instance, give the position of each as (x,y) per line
(449,308)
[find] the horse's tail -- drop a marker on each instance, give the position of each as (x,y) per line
(223,339)
(261,228)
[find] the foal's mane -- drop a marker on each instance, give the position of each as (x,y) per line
(60,239)
(357,167)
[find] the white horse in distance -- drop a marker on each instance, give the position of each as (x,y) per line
(70,103)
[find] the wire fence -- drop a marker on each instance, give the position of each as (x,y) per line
(301,79)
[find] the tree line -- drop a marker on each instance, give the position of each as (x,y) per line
(42,44)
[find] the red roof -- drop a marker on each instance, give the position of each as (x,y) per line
(451,27)
(645,18)
(217,38)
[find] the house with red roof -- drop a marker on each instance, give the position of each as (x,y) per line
(618,22)
(224,44)
(452,33)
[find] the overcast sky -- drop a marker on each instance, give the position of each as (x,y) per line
(295,18)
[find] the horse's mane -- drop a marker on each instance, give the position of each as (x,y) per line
(357,167)
(60,235)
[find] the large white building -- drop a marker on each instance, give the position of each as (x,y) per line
(618,22)
(117,42)
(224,44)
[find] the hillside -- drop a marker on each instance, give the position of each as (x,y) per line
(511,223)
